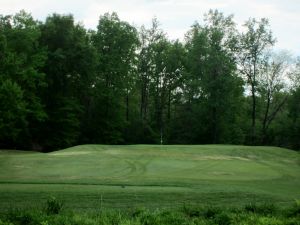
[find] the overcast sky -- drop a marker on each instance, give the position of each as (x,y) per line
(175,16)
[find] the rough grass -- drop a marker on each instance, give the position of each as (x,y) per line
(259,215)
(151,176)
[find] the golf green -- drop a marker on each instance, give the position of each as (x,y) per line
(118,176)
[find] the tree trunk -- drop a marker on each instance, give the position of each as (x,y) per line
(253,131)
(127,106)
(214,128)
(264,126)
(253,83)
(143,106)
(169,105)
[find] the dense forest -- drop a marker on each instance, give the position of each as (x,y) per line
(63,85)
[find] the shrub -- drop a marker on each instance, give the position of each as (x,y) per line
(17,216)
(269,221)
(138,212)
(149,218)
(5,223)
(295,209)
(292,221)
(191,211)
(171,218)
(263,209)
(222,219)
(211,212)
(53,206)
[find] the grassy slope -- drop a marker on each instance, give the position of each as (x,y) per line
(151,176)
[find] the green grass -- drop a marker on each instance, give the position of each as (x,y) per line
(266,214)
(100,176)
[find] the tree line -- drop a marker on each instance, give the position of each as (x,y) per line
(63,85)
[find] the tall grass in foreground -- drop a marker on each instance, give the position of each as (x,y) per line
(54,214)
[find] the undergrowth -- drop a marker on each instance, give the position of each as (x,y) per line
(252,214)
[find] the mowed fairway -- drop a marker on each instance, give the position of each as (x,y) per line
(93,176)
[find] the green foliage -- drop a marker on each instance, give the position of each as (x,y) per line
(23,217)
(252,51)
(295,209)
(264,209)
(216,91)
(12,112)
(149,217)
(210,212)
(69,70)
(5,223)
(222,219)
(65,128)
(191,211)
(21,60)
(118,85)
(294,119)
(115,42)
(53,206)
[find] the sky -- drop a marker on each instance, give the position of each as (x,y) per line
(175,16)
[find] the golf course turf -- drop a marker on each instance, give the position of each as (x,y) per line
(125,176)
